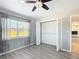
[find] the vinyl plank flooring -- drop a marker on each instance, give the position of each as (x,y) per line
(42,51)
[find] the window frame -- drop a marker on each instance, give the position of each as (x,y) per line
(17,19)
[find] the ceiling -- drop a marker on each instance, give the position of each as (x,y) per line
(58,8)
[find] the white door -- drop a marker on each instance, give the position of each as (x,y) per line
(48,32)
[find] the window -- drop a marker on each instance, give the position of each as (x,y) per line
(16,29)
(23,29)
(11,28)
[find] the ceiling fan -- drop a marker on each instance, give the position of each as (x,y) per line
(39,3)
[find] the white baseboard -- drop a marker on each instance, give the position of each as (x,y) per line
(54,43)
(65,50)
(14,50)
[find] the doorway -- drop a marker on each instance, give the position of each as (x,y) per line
(75,34)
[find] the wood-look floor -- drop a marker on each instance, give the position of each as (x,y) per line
(42,51)
(75,44)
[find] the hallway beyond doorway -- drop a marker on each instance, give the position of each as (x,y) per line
(75,44)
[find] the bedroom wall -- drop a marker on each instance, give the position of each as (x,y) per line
(66,34)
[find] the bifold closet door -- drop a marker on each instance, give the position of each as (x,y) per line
(48,32)
(66,34)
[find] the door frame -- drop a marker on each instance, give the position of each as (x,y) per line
(71,34)
(57,41)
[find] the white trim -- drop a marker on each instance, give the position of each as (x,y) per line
(71,34)
(47,20)
(14,50)
(61,35)
(57,39)
(66,50)
(38,33)
(60,42)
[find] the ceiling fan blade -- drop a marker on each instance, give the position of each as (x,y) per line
(30,1)
(45,7)
(45,1)
(34,8)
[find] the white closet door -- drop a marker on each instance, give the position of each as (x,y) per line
(49,32)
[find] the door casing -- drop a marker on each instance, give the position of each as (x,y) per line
(57,41)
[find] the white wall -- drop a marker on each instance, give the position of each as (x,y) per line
(66,34)
(37,33)
(59,33)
